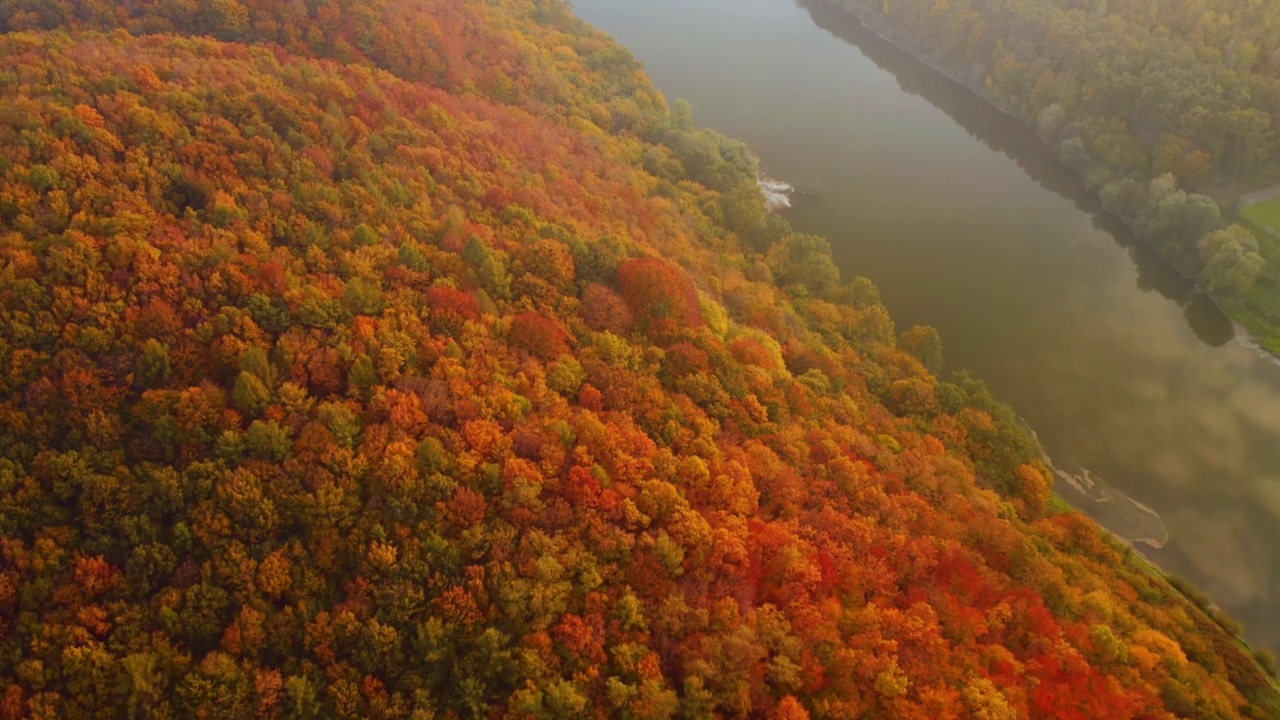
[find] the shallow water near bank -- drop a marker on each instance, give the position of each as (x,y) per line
(1132,380)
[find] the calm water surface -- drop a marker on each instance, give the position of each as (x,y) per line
(966,223)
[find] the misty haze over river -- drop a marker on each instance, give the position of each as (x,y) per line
(966,223)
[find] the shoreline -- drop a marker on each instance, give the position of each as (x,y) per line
(1245,336)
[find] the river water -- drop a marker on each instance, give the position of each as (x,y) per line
(1131,380)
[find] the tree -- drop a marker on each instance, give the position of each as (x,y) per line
(550,260)
(153,366)
(804,262)
(539,335)
(1231,260)
(249,394)
(925,344)
(659,293)
(604,311)
(490,267)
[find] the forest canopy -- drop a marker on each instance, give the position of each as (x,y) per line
(414,359)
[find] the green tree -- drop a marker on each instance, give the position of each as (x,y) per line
(925,344)
(1231,260)
(153,367)
(249,394)
(490,267)
(804,262)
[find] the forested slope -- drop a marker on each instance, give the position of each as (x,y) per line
(412,359)
(1166,108)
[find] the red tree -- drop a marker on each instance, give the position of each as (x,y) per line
(661,296)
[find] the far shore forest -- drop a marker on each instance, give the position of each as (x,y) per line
(1164,108)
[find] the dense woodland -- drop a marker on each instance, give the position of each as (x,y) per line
(1167,108)
(413,359)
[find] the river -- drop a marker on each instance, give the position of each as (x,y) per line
(966,223)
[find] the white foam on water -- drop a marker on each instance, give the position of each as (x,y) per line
(777,194)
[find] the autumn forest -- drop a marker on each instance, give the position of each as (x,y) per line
(415,359)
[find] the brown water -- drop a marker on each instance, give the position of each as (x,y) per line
(966,223)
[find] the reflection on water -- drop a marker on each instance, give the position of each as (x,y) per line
(1124,516)
(1005,134)
(1209,323)
(966,222)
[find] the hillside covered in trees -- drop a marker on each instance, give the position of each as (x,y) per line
(1168,109)
(413,359)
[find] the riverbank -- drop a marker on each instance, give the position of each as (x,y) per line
(1255,314)
(1178,590)
(967,223)
(1195,603)
(1090,488)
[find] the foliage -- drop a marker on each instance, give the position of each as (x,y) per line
(357,363)
(1231,260)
